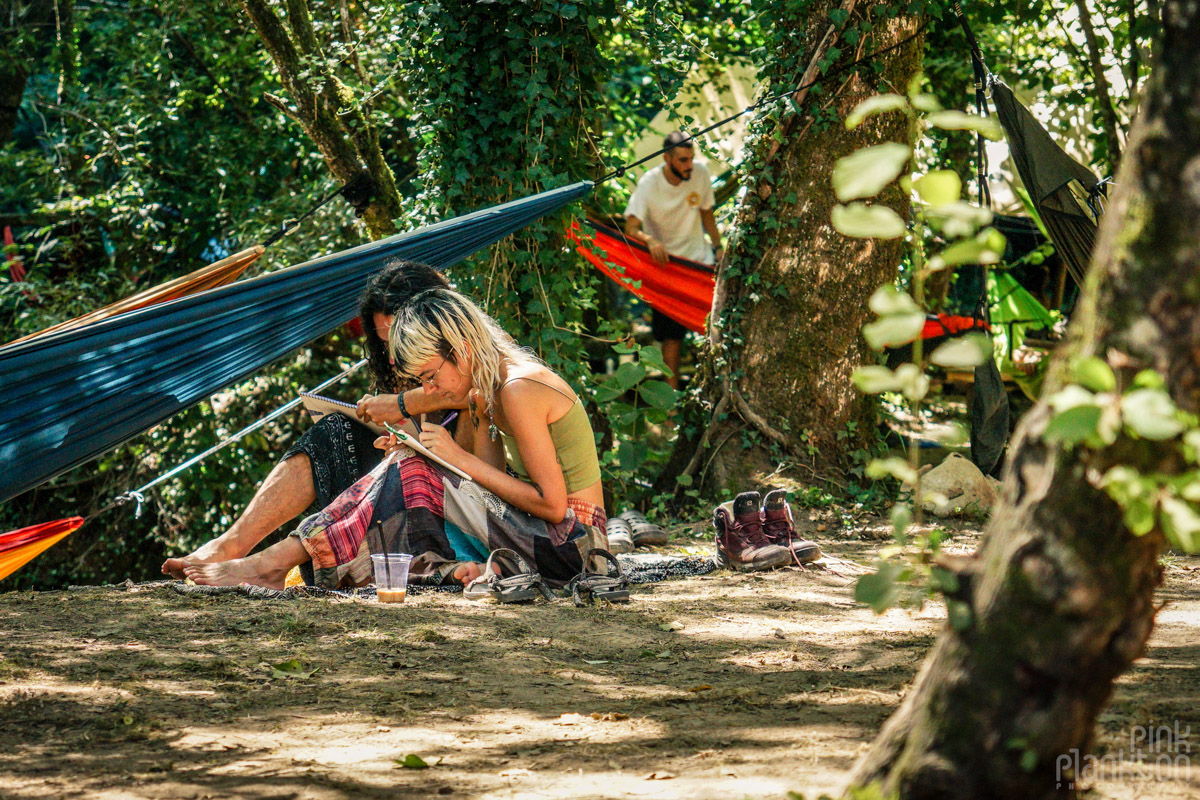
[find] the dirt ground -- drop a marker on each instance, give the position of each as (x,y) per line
(722,686)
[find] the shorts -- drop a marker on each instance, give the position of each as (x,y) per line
(664,328)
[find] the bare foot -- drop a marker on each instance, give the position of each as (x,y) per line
(469,571)
(235,573)
(210,552)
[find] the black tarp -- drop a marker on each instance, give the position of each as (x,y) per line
(1058,185)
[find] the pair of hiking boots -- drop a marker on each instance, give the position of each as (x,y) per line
(754,536)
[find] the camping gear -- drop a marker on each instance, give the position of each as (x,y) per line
(610,586)
(521,585)
(681,289)
(742,544)
(645,532)
(73,394)
(19,547)
(780,528)
(215,274)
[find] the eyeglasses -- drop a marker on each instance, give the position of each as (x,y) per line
(429,381)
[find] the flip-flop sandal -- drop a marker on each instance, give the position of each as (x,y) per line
(521,586)
(620,535)
(588,586)
(645,532)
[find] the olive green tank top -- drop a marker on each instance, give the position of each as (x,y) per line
(574,445)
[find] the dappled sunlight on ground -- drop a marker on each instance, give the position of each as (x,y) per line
(714,687)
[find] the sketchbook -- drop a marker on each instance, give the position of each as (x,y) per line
(318,406)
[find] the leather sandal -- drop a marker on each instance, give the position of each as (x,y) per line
(522,585)
(645,532)
(588,586)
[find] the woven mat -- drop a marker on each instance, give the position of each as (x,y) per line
(641,568)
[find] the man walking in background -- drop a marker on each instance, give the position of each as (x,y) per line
(670,211)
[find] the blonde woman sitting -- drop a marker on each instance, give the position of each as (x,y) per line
(548,506)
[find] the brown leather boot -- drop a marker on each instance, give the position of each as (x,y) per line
(780,528)
(741,543)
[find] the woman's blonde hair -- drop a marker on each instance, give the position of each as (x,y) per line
(441,323)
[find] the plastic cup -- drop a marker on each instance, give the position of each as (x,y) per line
(391,576)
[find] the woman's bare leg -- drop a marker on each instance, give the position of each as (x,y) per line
(283,496)
(268,568)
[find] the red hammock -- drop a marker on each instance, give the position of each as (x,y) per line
(681,289)
(18,547)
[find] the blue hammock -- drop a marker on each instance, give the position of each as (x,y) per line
(68,397)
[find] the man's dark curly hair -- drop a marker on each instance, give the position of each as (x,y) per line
(397,283)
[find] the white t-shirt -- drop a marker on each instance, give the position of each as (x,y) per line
(671,214)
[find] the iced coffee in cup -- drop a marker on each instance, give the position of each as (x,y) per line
(391,576)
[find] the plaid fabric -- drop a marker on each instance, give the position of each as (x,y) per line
(404,506)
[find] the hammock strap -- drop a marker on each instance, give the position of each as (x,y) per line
(138,495)
(290,225)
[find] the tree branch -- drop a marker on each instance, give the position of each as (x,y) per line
(1107,113)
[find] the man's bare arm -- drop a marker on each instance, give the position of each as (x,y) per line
(633,229)
(714,235)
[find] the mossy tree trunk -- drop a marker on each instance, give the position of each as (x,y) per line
(1061,592)
(328,110)
(793,292)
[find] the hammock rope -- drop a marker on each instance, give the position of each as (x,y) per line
(138,494)
(620,171)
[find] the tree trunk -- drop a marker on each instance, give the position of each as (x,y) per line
(792,296)
(12,87)
(1061,591)
(328,112)
(1108,114)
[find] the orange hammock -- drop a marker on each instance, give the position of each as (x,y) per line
(18,547)
(681,289)
(216,274)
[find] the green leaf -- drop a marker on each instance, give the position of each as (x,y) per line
(609,390)
(1148,379)
(1069,397)
(658,394)
(914,383)
(413,761)
(939,188)
(895,467)
(1181,523)
(879,104)
(652,357)
(894,330)
(1151,414)
(1094,374)
(901,517)
(957,220)
(875,379)
(962,121)
(887,299)
(926,102)
(628,374)
(959,614)
(683,480)
(291,669)
(1073,426)
(878,589)
(864,173)
(867,222)
(987,247)
(963,352)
